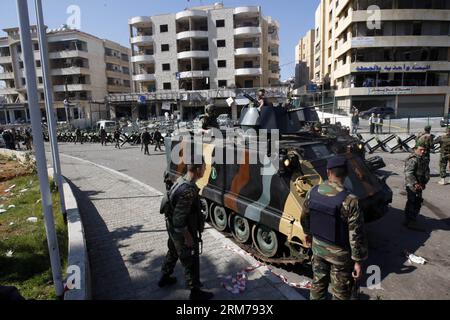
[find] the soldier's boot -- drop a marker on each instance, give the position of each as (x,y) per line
(413,225)
(166,281)
(442,182)
(200,295)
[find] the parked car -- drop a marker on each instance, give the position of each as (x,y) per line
(445,121)
(383,111)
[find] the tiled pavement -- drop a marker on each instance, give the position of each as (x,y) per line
(126,240)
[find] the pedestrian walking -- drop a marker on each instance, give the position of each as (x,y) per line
(372,122)
(117,134)
(185,224)
(78,136)
(379,124)
(103,136)
(28,140)
(157,138)
(417,175)
(146,139)
(334,225)
(444,161)
(355,121)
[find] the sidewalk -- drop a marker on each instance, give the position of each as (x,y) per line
(127,242)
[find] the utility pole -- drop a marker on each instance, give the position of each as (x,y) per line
(51,119)
(38,143)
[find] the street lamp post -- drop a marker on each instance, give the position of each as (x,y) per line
(38,142)
(51,119)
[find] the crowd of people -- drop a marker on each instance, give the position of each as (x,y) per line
(17,139)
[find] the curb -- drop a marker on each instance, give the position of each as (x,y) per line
(288,292)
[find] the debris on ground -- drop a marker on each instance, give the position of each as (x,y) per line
(32,220)
(9,254)
(11,206)
(2,211)
(412,258)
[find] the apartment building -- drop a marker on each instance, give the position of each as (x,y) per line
(84,69)
(397,56)
(205,48)
(304,59)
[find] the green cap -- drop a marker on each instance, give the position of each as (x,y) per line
(428,128)
(421,144)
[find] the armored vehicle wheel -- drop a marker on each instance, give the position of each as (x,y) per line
(204,207)
(265,241)
(240,228)
(219,218)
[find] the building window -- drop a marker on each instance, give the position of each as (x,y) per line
(223,83)
(38,63)
(222,63)
(164,47)
(220,23)
(21,64)
(221,43)
(164,28)
(40,80)
(167,86)
(36,46)
(166,66)
(248,84)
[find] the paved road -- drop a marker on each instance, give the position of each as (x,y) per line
(388,238)
(127,241)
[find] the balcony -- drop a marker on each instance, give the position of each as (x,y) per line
(248,52)
(140,21)
(7,76)
(144,77)
(68,54)
(247,31)
(6,91)
(194,74)
(405,15)
(192,35)
(72,87)
(247,11)
(142,40)
(6,59)
(69,71)
(399,41)
(193,54)
(248,72)
(191,14)
(275,58)
(142,59)
(274,40)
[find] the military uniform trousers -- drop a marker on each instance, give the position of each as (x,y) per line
(189,258)
(413,205)
(340,277)
(443,165)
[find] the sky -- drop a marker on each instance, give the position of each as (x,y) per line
(108,19)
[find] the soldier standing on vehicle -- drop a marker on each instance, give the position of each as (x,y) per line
(334,225)
(417,175)
(426,139)
(103,136)
(117,134)
(185,223)
(210,120)
(444,141)
(157,138)
(146,138)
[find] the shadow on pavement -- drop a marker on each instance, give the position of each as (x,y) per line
(109,275)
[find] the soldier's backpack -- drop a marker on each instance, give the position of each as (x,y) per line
(167,200)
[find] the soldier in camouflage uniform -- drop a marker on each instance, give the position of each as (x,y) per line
(426,139)
(184,225)
(444,141)
(334,223)
(417,175)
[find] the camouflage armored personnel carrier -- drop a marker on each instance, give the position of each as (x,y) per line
(261,203)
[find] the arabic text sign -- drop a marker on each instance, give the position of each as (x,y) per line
(394,68)
(390,91)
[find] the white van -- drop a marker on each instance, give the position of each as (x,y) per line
(110,126)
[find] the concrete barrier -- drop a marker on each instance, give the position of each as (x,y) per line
(77,250)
